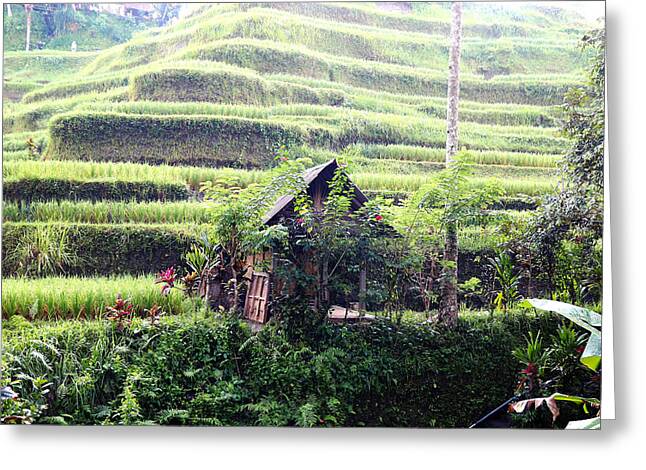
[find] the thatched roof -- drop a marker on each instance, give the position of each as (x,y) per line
(317,177)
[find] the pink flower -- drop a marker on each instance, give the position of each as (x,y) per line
(167,278)
(300,221)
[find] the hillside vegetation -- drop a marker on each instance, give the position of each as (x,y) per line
(126,135)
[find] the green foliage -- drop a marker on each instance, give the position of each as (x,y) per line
(585,318)
(450,199)
(67,298)
(55,26)
(108,212)
(576,212)
(506,281)
(203,370)
(271,58)
(175,140)
(570,375)
(93,248)
(45,188)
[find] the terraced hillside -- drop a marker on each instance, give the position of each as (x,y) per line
(110,151)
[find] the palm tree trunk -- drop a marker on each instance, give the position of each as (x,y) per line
(28,8)
(449,290)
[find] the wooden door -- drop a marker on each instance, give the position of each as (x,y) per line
(256,303)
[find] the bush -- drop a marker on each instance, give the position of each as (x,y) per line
(204,370)
(173,140)
(108,249)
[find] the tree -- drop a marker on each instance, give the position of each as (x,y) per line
(449,280)
(28,9)
(237,228)
(575,214)
(447,202)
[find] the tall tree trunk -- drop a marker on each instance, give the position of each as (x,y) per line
(28,8)
(449,289)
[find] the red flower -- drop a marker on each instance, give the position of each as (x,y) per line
(580,349)
(378,218)
(300,221)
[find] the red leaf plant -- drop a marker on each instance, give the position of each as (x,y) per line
(167,280)
(121,312)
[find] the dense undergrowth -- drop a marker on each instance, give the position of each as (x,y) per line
(200,370)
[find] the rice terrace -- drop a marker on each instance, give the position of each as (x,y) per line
(302,214)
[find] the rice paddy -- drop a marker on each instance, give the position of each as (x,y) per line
(345,79)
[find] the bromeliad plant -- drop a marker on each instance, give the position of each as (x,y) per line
(590,358)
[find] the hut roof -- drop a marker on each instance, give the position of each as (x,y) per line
(318,175)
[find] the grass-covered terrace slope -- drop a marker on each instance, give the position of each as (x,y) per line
(40,180)
(205,81)
(553,55)
(27,71)
(188,134)
(274,58)
(269,58)
(44,66)
(172,139)
(146,248)
(35,115)
(434,18)
(99,249)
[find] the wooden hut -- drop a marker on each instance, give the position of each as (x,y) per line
(260,273)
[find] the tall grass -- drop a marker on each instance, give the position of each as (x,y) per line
(73,170)
(108,212)
(408,183)
(480,157)
(105,171)
(19,141)
(64,298)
